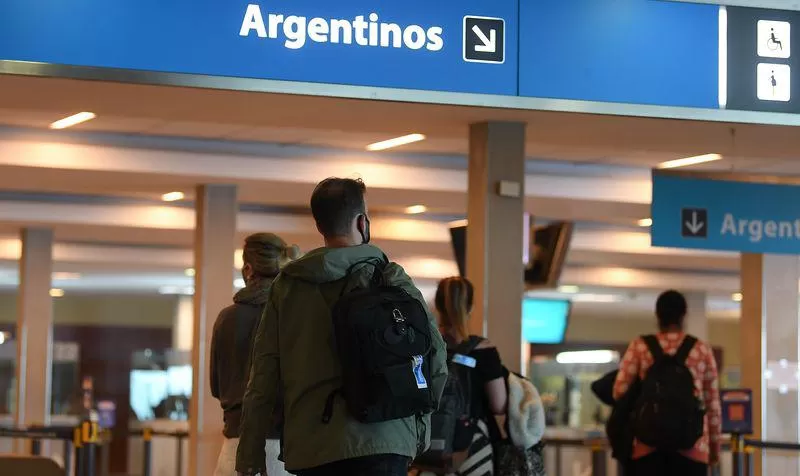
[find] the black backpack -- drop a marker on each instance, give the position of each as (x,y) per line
(668,416)
(383,338)
(451,427)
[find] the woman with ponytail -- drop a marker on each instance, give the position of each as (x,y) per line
(488,393)
(264,255)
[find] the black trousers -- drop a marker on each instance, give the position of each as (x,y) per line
(377,465)
(667,464)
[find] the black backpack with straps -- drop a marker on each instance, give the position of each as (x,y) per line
(668,415)
(383,338)
(451,427)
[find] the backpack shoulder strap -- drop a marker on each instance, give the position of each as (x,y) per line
(686,347)
(654,346)
(376,280)
(467,346)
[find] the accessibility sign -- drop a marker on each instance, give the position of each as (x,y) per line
(726,213)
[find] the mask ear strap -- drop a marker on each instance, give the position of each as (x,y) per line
(363,230)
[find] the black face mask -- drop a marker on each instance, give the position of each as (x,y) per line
(365,233)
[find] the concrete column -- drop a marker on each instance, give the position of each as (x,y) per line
(34,329)
(213,263)
(495,234)
(183,324)
(770,339)
(697,319)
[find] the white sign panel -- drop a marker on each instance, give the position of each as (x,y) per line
(774,82)
(774,39)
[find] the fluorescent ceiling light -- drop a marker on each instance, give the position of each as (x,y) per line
(598,298)
(416,209)
(73,120)
(687,161)
(645,222)
(737,297)
(396,142)
(172,196)
(62,276)
(587,357)
(187,291)
(56,293)
(189,272)
(3,337)
(569,289)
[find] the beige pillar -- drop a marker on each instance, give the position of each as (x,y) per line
(215,232)
(495,234)
(769,350)
(183,324)
(697,318)
(34,329)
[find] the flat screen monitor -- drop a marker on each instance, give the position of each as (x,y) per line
(544,253)
(544,321)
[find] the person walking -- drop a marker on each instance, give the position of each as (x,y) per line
(231,343)
(678,415)
(296,348)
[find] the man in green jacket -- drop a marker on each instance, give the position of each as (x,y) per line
(294,349)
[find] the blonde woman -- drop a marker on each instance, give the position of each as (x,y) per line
(264,255)
(488,376)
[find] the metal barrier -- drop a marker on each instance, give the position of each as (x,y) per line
(743,451)
(598,454)
(80,442)
(147,435)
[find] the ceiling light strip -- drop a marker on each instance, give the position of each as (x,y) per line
(396,142)
(73,120)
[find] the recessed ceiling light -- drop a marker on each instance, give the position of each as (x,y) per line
(73,120)
(569,289)
(173,196)
(189,272)
(62,276)
(4,337)
(416,209)
(396,142)
(687,161)
(56,293)
(737,297)
(645,222)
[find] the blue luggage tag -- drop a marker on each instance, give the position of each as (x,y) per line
(464,360)
(416,367)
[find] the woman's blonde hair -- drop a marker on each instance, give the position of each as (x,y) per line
(454,304)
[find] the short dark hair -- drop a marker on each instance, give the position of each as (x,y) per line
(336,202)
(671,309)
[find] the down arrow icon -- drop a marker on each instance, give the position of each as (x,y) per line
(694,223)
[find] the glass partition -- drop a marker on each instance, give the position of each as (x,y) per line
(65,388)
(566,391)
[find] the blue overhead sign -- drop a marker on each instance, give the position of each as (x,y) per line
(463,46)
(625,51)
(725,215)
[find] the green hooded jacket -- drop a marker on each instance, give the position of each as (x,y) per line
(294,348)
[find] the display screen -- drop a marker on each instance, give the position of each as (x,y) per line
(543,255)
(544,321)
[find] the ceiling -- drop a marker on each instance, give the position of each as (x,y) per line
(98,185)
